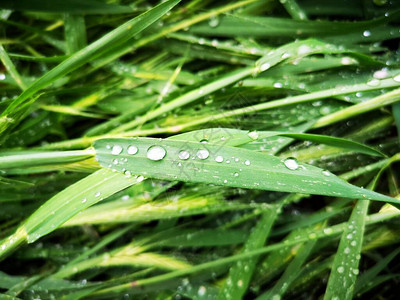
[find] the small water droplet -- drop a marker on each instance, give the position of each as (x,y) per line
(253,135)
(381,74)
(116,149)
(219,159)
(156,153)
(184,155)
(265,66)
(340,269)
(291,163)
(202,153)
(140,178)
(373,82)
(397,78)
(202,291)
(326,173)
(132,150)
(213,21)
(97,194)
(367,33)
(247,162)
(236,174)
(83,200)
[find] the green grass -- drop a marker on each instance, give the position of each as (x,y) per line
(199,149)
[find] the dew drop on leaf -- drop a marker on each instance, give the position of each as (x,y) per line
(116,149)
(156,153)
(203,153)
(291,163)
(253,135)
(247,162)
(219,159)
(184,155)
(132,150)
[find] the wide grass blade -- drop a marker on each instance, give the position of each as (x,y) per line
(221,165)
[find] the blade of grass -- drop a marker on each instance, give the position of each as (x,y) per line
(92,51)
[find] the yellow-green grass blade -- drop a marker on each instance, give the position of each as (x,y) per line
(65,205)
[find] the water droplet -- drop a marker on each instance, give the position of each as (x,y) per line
(326,173)
(327,230)
(184,155)
(381,74)
(367,33)
(264,67)
(117,149)
(340,269)
(253,135)
(373,82)
(97,194)
(83,200)
(356,271)
(156,153)
(219,159)
(202,291)
(213,21)
(132,150)
(247,162)
(140,178)
(276,297)
(291,163)
(236,174)
(347,250)
(346,61)
(397,78)
(202,153)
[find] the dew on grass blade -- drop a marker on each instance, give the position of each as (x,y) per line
(291,163)
(116,150)
(219,159)
(132,150)
(156,153)
(184,155)
(203,153)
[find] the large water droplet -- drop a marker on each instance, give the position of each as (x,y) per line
(132,150)
(117,149)
(203,153)
(291,163)
(184,155)
(156,153)
(397,78)
(340,269)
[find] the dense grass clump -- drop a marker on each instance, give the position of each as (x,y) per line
(199,149)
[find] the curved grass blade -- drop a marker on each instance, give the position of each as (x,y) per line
(234,137)
(221,165)
(65,205)
(119,35)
